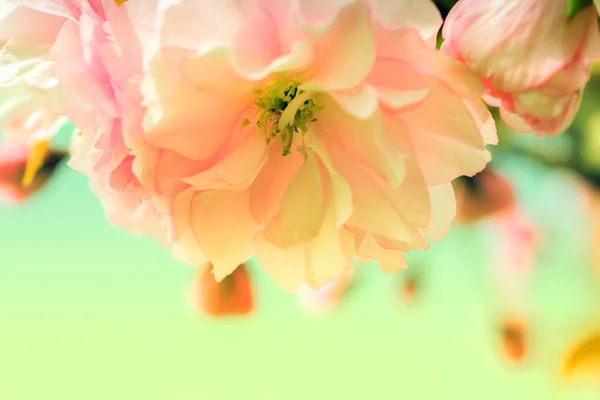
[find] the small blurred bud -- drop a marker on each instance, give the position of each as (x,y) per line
(409,287)
(513,339)
(233,296)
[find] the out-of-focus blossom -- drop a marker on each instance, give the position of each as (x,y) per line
(319,130)
(88,55)
(584,357)
(489,196)
(486,194)
(29,117)
(13,162)
(326,298)
(26,115)
(533,61)
(489,199)
(513,258)
(232,296)
(30,112)
(28,123)
(513,338)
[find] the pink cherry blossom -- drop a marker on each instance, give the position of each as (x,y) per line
(533,62)
(307,133)
(88,53)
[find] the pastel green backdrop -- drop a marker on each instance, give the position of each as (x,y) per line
(89,312)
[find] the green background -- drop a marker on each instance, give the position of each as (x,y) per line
(89,312)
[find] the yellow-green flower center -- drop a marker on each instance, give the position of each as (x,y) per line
(284,110)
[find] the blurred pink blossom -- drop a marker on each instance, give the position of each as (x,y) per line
(491,201)
(326,298)
(513,259)
(87,57)
(533,62)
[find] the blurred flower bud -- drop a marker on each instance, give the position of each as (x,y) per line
(513,336)
(409,286)
(233,296)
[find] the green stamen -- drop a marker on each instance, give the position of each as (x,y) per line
(284,110)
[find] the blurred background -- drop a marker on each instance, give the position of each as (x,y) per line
(507,306)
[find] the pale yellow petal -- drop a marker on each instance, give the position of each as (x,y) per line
(287,267)
(224,228)
(443,211)
(300,215)
(346,46)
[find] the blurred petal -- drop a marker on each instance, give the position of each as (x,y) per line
(584,357)
(325,299)
(35,161)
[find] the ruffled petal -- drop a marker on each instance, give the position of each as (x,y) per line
(287,267)
(224,228)
(300,215)
(346,46)
(422,16)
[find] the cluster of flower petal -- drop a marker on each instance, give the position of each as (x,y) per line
(30,111)
(308,134)
(81,59)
